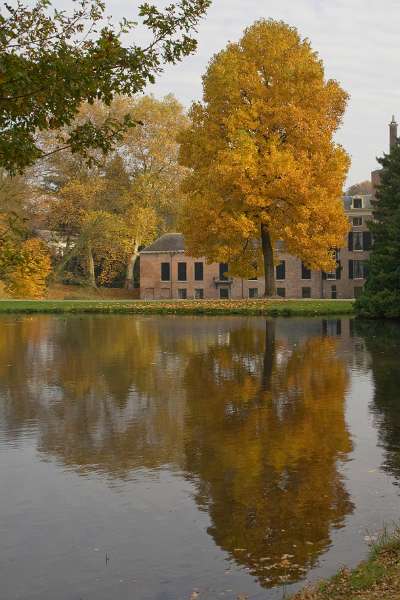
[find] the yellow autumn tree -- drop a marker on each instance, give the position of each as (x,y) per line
(264,166)
(25,269)
(24,259)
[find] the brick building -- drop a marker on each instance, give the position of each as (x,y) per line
(166,271)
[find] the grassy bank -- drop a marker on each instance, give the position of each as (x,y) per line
(376,578)
(273,308)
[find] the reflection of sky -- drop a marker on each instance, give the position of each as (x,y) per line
(148,521)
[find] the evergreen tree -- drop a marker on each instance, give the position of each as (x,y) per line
(381,297)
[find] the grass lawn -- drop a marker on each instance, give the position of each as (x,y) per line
(274,308)
(376,578)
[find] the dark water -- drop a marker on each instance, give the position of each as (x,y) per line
(147,458)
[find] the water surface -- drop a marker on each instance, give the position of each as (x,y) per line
(148,457)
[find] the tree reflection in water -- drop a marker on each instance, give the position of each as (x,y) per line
(92,388)
(264,447)
(382,341)
(254,420)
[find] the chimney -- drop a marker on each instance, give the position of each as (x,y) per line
(393,132)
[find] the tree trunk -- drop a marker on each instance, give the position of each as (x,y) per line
(269,267)
(90,267)
(130,268)
(269,355)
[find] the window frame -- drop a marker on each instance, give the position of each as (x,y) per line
(304,270)
(282,265)
(253,289)
(360,268)
(165,264)
(179,264)
(184,295)
(331,276)
(309,290)
(222,274)
(358,236)
(196,265)
(224,289)
(281,289)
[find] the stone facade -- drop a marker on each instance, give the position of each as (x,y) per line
(166,272)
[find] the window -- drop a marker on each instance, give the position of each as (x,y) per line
(306,292)
(357,240)
(357,202)
(199,293)
(223,269)
(182,294)
(357,221)
(333,292)
(182,275)
(360,240)
(198,271)
(331,276)
(165,272)
(253,292)
(357,291)
(367,240)
(357,269)
(281,292)
(224,293)
(305,272)
(281,270)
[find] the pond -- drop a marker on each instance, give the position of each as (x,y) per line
(168,458)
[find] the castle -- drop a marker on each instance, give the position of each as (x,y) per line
(167,272)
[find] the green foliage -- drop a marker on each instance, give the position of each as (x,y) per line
(381,297)
(377,577)
(53,60)
(190,307)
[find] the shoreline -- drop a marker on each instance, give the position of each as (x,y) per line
(377,577)
(272,308)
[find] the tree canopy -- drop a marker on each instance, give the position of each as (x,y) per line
(53,60)
(381,296)
(106,213)
(264,163)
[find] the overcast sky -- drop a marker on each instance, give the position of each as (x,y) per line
(358,40)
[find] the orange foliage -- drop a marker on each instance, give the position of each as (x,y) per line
(26,274)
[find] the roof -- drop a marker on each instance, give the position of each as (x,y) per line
(169,242)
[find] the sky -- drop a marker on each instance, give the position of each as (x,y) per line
(358,41)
